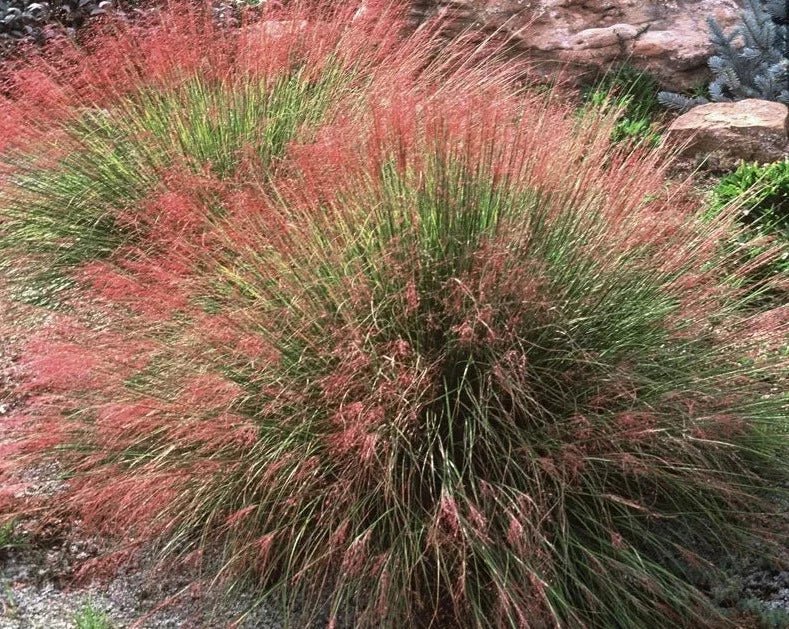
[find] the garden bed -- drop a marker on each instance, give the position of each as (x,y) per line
(355,319)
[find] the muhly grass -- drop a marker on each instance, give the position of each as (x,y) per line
(454,388)
(81,208)
(92,147)
(457,361)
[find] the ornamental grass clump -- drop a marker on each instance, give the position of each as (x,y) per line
(458,361)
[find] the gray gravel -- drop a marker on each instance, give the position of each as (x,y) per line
(771,587)
(37,591)
(46,606)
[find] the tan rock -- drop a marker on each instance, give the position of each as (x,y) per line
(670,38)
(615,35)
(749,129)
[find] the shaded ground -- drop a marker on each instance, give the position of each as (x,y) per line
(37,591)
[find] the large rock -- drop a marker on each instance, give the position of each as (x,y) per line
(754,130)
(669,38)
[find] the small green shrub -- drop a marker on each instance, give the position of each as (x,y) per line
(761,191)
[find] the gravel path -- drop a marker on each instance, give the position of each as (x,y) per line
(40,589)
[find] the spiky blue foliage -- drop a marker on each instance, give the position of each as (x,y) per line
(752,61)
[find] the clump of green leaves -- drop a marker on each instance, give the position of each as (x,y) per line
(10,537)
(761,192)
(631,92)
(91,617)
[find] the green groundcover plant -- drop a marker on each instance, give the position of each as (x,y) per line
(429,352)
(630,92)
(762,191)
(760,196)
(89,617)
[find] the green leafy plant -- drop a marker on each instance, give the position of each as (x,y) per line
(760,194)
(91,617)
(631,93)
(9,537)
